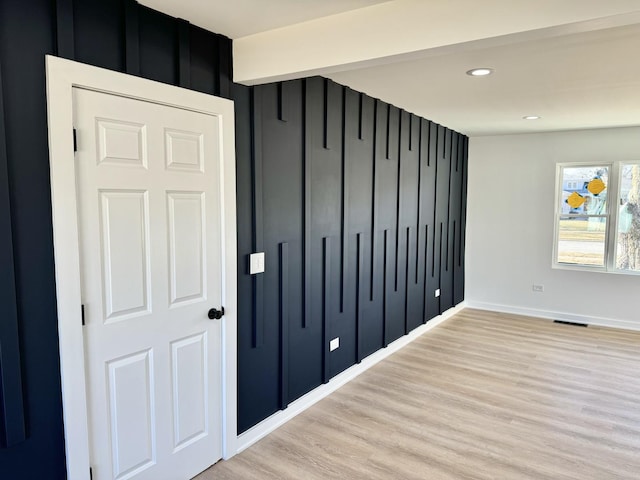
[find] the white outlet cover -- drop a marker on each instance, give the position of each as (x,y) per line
(437,294)
(256,263)
(334,344)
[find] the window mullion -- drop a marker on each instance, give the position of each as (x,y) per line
(613,207)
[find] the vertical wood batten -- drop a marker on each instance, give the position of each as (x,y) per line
(407,329)
(440,243)
(448,147)
(65,47)
(425,273)
(465,180)
(326,307)
(132,37)
(284,325)
(410,132)
(434,145)
(398,200)
(12,418)
(344,223)
(439,299)
(359,286)
(452,203)
(225,67)
(360,100)
(455,242)
(459,271)
(306,317)
(281,113)
(217,65)
(388,134)
(430,152)
(258,216)
(184,53)
(374,219)
(419,219)
(325,110)
(385,293)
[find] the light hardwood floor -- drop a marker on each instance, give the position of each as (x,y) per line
(483,396)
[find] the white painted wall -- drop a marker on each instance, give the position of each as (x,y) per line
(510,228)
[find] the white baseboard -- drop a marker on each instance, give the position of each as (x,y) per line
(563,316)
(271,423)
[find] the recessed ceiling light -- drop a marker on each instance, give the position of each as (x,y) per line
(531,117)
(480,72)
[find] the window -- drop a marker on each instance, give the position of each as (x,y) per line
(597,224)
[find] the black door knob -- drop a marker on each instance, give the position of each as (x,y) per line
(215,314)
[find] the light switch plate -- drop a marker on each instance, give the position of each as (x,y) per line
(334,344)
(437,294)
(256,263)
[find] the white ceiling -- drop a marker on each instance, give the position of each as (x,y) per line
(239,18)
(573,62)
(585,80)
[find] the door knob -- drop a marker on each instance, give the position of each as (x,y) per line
(215,314)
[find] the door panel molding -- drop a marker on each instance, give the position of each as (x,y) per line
(62,77)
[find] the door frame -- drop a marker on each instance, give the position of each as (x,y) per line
(62,77)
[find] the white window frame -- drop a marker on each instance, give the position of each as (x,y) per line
(611,216)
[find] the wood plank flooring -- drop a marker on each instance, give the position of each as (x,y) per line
(483,396)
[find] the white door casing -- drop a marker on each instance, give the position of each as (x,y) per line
(145,239)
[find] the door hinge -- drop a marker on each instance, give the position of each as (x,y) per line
(75,141)
(82,313)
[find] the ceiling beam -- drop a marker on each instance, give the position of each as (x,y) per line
(403,30)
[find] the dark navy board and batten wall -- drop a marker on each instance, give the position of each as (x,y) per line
(359,206)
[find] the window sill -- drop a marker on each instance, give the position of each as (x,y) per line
(593,269)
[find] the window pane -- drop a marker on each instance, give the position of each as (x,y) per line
(581,241)
(628,238)
(584,190)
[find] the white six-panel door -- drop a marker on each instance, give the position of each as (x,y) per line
(147,179)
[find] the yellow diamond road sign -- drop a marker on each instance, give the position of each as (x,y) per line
(596,186)
(575,200)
